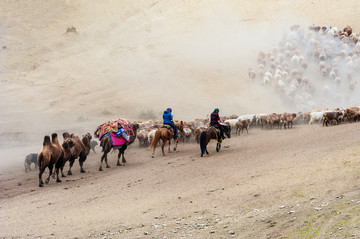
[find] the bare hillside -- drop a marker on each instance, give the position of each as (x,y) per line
(71,65)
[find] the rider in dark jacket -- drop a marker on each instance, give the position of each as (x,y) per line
(168,119)
(214,121)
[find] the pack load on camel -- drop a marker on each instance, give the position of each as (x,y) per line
(116,134)
(119,132)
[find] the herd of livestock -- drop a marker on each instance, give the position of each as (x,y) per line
(75,147)
(319,68)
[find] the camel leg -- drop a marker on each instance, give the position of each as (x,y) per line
(81,163)
(123,157)
(71,163)
(41,171)
(102,159)
(61,169)
(123,153)
(118,160)
(82,159)
(51,166)
(57,175)
(106,162)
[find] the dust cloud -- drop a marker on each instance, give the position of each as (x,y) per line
(133,59)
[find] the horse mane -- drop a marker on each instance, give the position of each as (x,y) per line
(180,125)
(226,126)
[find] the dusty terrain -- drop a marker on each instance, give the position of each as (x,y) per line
(298,183)
(133,59)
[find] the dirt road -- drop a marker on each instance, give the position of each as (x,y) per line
(296,183)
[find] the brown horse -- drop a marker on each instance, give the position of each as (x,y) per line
(166,134)
(50,155)
(107,146)
(213,133)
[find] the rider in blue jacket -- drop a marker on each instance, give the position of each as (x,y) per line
(168,119)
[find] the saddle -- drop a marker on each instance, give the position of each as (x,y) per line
(217,130)
(168,127)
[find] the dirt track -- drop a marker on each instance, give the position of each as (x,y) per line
(297,183)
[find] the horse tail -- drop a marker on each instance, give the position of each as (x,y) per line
(203,142)
(155,140)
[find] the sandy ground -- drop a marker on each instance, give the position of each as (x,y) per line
(133,59)
(297,183)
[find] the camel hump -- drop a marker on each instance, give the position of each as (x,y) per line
(54,137)
(66,135)
(46,140)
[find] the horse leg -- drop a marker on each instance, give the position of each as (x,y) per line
(41,171)
(169,145)
(218,146)
(162,147)
(176,143)
(51,165)
(155,144)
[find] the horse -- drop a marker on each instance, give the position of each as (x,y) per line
(166,134)
(106,145)
(213,133)
(49,156)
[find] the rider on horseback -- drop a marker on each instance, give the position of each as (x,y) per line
(214,121)
(168,119)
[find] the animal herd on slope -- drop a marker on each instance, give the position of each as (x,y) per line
(311,69)
(54,155)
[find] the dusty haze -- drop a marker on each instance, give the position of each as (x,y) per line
(131,57)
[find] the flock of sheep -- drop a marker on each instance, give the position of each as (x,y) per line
(311,69)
